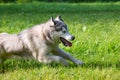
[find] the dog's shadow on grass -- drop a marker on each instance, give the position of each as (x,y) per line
(15,64)
(12,65)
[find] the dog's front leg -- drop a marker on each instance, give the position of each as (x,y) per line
(52,58)
(65,55)
(47,58)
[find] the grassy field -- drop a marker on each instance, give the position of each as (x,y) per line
(96,27)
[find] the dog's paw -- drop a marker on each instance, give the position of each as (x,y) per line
(78,62)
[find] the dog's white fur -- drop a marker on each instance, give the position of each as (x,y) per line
(40,42)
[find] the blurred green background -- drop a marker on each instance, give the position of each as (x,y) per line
(22,1)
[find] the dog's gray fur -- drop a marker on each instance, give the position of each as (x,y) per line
(41,42)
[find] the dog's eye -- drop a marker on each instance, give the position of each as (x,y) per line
(64,31)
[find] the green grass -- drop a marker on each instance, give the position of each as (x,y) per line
(98,46)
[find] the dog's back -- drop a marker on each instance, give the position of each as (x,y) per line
(10,43)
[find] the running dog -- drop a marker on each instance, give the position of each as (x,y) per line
(40,42)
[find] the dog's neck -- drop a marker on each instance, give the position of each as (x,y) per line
(48,38)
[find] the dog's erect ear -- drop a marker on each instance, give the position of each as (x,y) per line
(52,21)
(59,18)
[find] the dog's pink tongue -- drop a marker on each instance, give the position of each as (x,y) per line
(68,43)
(65,42)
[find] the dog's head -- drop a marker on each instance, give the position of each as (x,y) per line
(58,31)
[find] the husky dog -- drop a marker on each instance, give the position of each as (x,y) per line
(41,42)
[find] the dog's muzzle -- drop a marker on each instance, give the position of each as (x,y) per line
(66,40)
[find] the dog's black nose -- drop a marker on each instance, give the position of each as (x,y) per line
(73,37)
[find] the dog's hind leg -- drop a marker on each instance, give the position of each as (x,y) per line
(65,55)
(52,58)
(2,58)
(1,61)
(2,70)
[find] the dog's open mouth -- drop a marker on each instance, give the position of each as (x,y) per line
(65,42)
